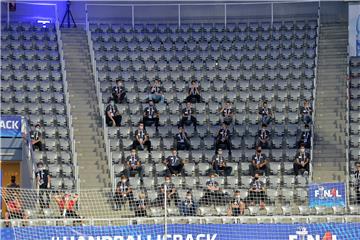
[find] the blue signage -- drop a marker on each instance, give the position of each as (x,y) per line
(10,126)
(327,194)
(327,231)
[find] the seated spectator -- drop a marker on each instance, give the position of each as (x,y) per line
(219,164)
(151,115)
(301,163)
(357,183)
(257,194)
(123,193)
(157,92)
(227,113)
(263,137)
(266,114)
(171,193)
(188,207)
(237,205)
(66,204)
(188,117)
(119,92)
(306,112)
(194,93)
(175,165)
(305,137)
(112,115)
(43,183)
(141,206)
(223,140)
(182,141)
(13,183)
(213,193)
(36,138)
(259,163)
(14,209)
(134,165)
(141,139)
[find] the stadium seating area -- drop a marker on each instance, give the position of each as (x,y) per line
(354,116)
(245,63)
(32,86)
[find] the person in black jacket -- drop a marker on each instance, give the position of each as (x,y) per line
(119,92)
(194,93)
(305,137)
(36,138)
(263,137)
(301,162)
(223,140)
(151,115)
(266,113)
(182,141)
(123,193)
(112,115)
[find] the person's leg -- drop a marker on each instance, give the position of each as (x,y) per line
(122,97)
(117,200)
(118,119)
(228,146)
(252,169)
(140,171)
(41,198)
(228,171)
(47,195)
(296,169)
(216,169)
(194,122)
(135,144)
(147,144)
(156,121)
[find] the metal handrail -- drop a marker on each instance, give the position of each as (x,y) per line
(348,84)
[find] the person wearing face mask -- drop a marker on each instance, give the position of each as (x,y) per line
(141,206)
(305,137)
(157,92)
(237,205)
(263,137)
(174,164)
(301,162)
(36,138)
(257,194)
(219,164)
(259,163)
(43,184)
(171,193)
(194,93)
(213,193)
(182,140)
(188,207)
(306,112)
(227,113)
(119,92)
(265,113)
(134,165)
(123,193)
(223,139)
(141,139)
(151,115)
(188,117)
(112,115)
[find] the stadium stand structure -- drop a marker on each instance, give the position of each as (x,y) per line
(33,85)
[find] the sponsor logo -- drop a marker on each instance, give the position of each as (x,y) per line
(303,234)
(142,237)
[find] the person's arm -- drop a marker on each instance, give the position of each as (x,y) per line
(109,114)
(129,190)
(297,159)
(49,181)
(137,137)
(138,163)
(145,112)
(221,109)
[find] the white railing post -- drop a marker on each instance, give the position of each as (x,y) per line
(179,15)
(133,16)
(348,85)
(272,14)
(225,15)
(8,15)
(165,209)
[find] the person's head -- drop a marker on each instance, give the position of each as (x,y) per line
(265,104)
(257,176)
(224,125)
(157,82)
(220,151)
(357,164)
(40,165)
(119,82)
(181,129)
(193,82)
(174,151)
(307,127)
(123,179)
(258,149)
(151,102)
(188,104)
(111,102)
(188,195)
(141,125)
(13,179)
(133,152)
(302,148)
(168,179)
(212,176)
(37,126)
(227,104)
(263,126)
(237,194)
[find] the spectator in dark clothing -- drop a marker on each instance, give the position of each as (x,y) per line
(305,137)
(266,113)
(219,164)
(112,115)
(134,165)
(213,193)
(237,205)
(151,115)
(119,92)
(306,112)
(257,194)
(188,207)
(157,92)
(141,206)
(36,138)
(188,117)
(43,184)
(259,163)
(141,139)
(171,193)
(175,165)
(263,137)
(357,183)
(223,140)
(13,183)
(301,162)
(182,141)
(194,93)
(227,113)
(123,193)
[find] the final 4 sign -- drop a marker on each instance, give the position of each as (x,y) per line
(327,194)
(10,126)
